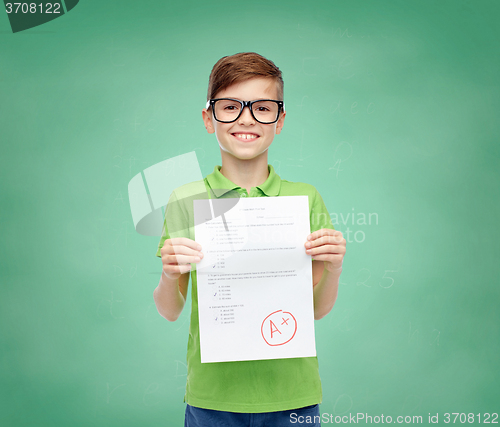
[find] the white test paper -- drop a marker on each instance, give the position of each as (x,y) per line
(255,293)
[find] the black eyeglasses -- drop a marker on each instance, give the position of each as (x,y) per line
(228,110)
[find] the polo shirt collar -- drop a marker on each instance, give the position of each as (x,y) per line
(221,185)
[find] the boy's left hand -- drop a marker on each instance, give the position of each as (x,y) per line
(329,246)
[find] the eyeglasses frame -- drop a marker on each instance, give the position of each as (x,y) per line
(249,104)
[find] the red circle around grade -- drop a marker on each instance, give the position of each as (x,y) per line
(264,321)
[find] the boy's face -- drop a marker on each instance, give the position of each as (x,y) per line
(246,138)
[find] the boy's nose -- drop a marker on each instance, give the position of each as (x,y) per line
(246,116)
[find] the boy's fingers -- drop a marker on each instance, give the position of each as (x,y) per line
(182,259)
(182,250)
(185,255)
(321,233)
(184,241)
(334,238)
(327,249)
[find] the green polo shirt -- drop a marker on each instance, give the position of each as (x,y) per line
(256,385)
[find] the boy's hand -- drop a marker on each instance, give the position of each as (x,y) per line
(177,254)
(327,245)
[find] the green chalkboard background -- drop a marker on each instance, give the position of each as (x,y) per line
(392,109)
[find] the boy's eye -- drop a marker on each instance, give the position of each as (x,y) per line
(265,107)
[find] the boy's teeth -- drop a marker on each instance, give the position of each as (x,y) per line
(245,136)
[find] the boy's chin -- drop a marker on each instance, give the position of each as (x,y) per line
(243,157)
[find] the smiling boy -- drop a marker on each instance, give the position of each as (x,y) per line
(245,110)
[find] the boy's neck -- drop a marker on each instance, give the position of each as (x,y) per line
(245,173)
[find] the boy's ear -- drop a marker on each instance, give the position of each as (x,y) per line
(207,119)
(280,123)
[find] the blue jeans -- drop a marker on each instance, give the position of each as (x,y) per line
(199,417)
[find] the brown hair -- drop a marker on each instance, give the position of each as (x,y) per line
(240,67)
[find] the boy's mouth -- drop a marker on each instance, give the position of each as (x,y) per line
(245,136)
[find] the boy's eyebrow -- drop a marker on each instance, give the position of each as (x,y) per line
(257,99)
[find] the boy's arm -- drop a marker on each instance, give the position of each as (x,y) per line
(327,247)
(325,289)
(170,296)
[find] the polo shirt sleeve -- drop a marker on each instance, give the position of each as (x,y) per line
(320,218)
(175,221)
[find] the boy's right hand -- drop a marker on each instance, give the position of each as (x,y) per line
(177,254)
